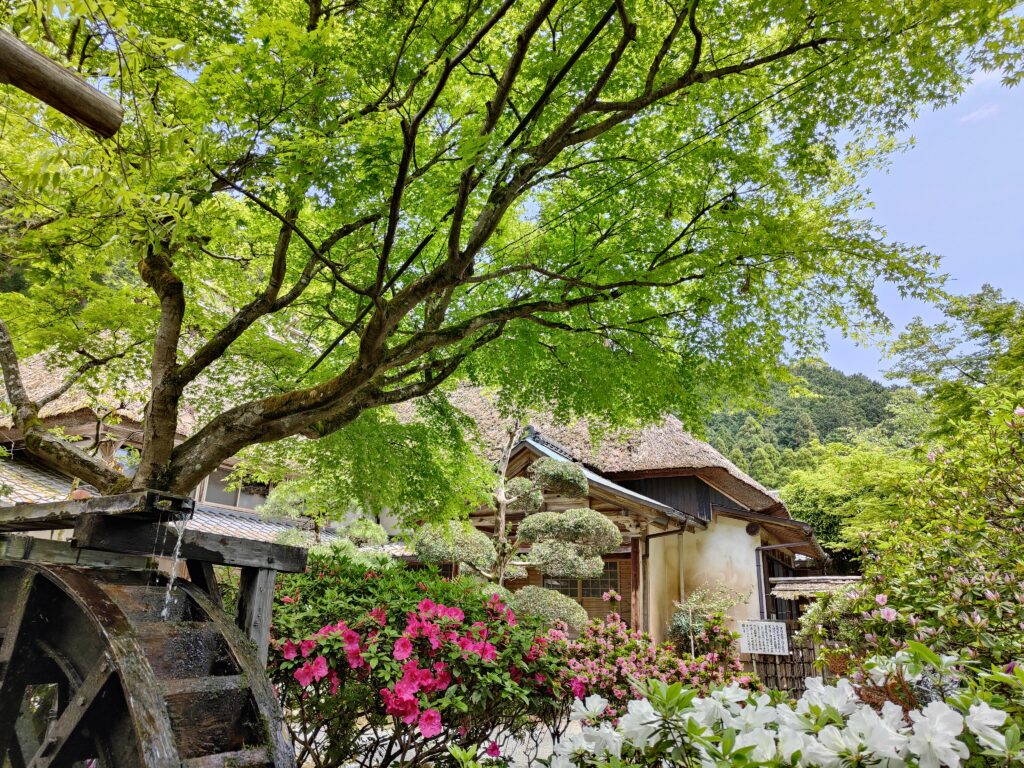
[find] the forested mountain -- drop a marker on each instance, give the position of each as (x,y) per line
(817,403)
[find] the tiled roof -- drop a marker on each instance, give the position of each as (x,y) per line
(28,483)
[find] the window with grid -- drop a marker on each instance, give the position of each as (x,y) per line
(608,580)
(569,587)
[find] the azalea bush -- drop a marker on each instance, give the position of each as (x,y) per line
(375,667)
(610,660)
(946,570)
(914,711)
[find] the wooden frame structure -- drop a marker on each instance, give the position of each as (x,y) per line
(191,688)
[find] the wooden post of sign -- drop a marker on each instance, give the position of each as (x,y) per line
(28,70)
(255,604)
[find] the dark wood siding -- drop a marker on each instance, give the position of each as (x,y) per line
(687,494)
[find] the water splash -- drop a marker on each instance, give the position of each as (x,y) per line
(179,529)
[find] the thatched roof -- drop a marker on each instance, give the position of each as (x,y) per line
(796,587)
(662,449)
(79,404)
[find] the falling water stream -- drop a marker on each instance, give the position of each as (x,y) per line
(179,529)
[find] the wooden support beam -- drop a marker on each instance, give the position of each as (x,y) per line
(255,604)
(99,531)
(62,553)
(53,515)
(63,89)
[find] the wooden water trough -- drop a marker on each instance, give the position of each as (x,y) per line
(105,658)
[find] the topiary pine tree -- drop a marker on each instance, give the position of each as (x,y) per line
(565,544)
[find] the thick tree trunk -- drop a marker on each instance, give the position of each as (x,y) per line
(161,420)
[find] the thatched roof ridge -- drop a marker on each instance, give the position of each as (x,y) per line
(663,449)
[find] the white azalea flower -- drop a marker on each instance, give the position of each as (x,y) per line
(763,742)
(814,754)
(841,696)
(841,744)
(798,719)
(791,741)
(934,739)
(882,741)
(591,709)
(892,716)
(751,718)
(709,712)
(983,720)
(640,724)
(603,741)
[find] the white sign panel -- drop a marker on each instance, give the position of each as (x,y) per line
(767,637)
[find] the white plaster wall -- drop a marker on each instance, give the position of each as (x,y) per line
(663,570)
(724,554)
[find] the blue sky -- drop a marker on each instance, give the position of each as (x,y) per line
(959,192)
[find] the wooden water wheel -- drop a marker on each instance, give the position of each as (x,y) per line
(99,669)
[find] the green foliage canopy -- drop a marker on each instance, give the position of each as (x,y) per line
(314,210)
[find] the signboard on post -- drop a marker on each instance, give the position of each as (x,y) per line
(765,637)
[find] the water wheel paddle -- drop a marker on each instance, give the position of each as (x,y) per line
(90,675)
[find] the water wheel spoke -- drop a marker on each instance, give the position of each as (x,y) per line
(60,733)
(12,684)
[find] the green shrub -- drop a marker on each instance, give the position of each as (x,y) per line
(562,559)
(363,531)
(454,541)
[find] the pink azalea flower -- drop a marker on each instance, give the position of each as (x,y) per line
(351,640)
(889,614)
(379,615)
(881,599)
(426,607)
(304,674)
(403,648)
(307,646)
(430,723)
(332,678)
(492,750)
(286,599)
(577,687)
(289,650)
(319,668)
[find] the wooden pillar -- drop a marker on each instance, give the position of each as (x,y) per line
(255,604)
(201,574)
(634,587)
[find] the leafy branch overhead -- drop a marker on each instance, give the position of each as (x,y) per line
(314,210)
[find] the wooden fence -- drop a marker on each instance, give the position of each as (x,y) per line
(787,673)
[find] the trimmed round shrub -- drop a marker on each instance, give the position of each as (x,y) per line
(454,541)
(523,495)
(550,607)
(562,478)
(564,560)
(590,531)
